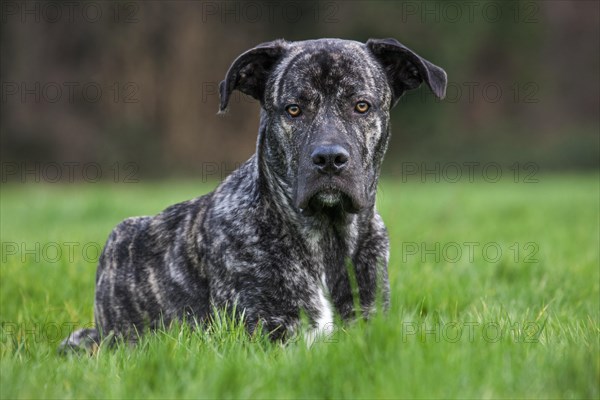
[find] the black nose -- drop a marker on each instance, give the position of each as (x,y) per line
(330,159)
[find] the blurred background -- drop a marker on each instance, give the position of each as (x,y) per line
(131,87)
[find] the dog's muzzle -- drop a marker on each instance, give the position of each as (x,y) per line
(327,181)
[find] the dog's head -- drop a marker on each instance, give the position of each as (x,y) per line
(325,118)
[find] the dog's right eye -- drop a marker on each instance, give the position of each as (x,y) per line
(362,107)
(293,110)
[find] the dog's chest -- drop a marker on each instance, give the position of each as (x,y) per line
(330,253)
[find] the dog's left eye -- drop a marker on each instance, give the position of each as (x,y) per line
(293,110)
(362,107)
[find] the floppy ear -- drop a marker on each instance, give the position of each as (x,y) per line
(250,71)
(406,70)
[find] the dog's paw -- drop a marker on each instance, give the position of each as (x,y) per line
(82,341)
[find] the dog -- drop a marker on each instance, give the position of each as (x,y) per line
(293,233)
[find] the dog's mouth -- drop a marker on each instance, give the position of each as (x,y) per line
(329,197)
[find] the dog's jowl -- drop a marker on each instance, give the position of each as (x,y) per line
(294,230)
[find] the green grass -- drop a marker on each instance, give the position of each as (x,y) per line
(521,324)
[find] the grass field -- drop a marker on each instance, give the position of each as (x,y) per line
(495,294)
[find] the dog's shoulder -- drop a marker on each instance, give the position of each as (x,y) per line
(180,216)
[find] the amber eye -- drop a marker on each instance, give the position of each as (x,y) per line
(293,110)
(361,107)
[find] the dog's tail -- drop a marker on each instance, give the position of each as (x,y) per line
(81,341)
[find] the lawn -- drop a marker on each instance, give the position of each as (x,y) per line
(495,294)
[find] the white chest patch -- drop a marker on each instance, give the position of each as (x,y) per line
(324,323)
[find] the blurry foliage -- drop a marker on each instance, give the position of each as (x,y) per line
(170,56)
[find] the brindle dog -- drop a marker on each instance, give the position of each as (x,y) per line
(291,230)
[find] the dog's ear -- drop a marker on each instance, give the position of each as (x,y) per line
(250,71)
(405,69)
